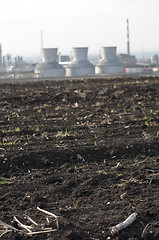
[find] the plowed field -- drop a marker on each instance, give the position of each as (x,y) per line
(85,150)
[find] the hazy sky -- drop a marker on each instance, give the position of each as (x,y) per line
(74,23)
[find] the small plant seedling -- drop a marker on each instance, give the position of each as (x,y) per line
(37,128)
(96,137)
(120,175)
(6,180)
(76,205)
(63,134)
(17,129)
(4,143)
(147,120)
(117,165)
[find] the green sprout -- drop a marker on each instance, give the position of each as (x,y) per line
(76,205)
(37,128)
(64,134)
(17,129)
(96,137)
(6,180)
(4,143)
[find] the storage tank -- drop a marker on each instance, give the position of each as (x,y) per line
(49,66)
(109,62)
(80,66)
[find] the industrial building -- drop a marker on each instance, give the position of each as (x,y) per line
(109,62)
(53,64)
(127,59)
(80,66)
(49,66)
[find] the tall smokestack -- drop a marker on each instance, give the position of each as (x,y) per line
(0,56)
(41,39)
(128,42)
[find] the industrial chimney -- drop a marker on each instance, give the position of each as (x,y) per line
(1,57)
(128,40)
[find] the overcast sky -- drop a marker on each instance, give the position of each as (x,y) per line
(74,23)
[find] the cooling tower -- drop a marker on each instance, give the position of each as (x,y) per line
(49,66)
(109,62)
(80,66)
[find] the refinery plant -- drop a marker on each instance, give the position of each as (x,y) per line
(49,66)
(53,64)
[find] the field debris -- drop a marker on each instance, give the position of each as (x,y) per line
(51,214)
(30,230)
(117,228)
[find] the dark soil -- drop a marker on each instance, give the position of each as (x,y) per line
(86,150)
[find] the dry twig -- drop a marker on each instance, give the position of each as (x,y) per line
(22,225)
(31,220)
(144,231)
(43,231)
(4,232)
(117,228)
(7,226)
(27,229)
(51,214)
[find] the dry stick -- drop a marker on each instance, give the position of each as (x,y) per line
(4,232)
(137,163)
(22,225)
(144,231)
(7,226)
(30,233)
(117,228)
(51,214)
(44,231)
(47,219)
(31,220)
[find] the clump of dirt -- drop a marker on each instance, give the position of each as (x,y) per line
(86,150)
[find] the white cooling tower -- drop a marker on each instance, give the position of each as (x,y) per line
(49,66)
(80,66)
(109,62)
(49,55)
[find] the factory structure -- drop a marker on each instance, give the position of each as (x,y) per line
(8,64)
(49,66)
(78,64)
(127,59)
(109,63)
(53,64)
